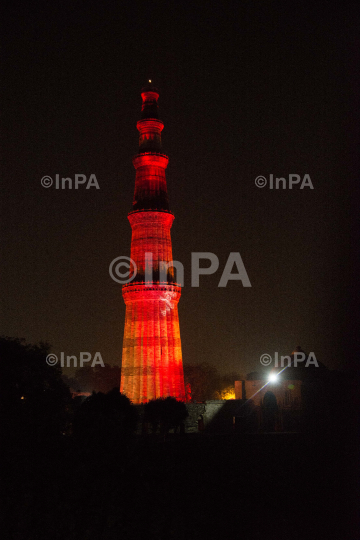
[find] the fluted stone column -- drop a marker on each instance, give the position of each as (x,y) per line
(152,359)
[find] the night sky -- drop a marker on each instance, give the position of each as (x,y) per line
(246,89)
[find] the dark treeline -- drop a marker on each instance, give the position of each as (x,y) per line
(207,383)
(70,467)
(98,378)
(205,380)
(75,468)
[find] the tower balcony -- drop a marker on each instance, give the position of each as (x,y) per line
(145,159)
(156,290)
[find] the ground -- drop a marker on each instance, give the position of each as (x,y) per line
(196,486)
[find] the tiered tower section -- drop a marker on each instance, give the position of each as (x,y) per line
(151,359)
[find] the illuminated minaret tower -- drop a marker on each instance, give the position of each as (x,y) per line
(151,359)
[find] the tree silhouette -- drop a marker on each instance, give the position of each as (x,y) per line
(105,419)
(168,412)
(207,383)
(203,379)
(34,400)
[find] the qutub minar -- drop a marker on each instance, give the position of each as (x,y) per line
(151,359)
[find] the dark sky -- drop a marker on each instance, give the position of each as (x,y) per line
(246,89)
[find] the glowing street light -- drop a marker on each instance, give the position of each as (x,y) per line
(273,377)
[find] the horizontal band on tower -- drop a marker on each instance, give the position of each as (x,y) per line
(163,341)
(136,371)
(151,216)
(140,286)
(150,158)
(151,210)
(148,124)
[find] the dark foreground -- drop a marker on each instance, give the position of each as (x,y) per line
(271,486)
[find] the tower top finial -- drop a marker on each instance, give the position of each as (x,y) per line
(149,87)
(149,95)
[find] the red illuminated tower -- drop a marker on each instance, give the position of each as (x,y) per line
(151,359)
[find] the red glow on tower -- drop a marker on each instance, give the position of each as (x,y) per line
(151,359)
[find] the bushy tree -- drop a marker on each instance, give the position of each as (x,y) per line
(168,412)
(207,383)
(105,418)
(203,379)
(34,400)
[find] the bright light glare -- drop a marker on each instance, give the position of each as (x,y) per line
(273,377)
